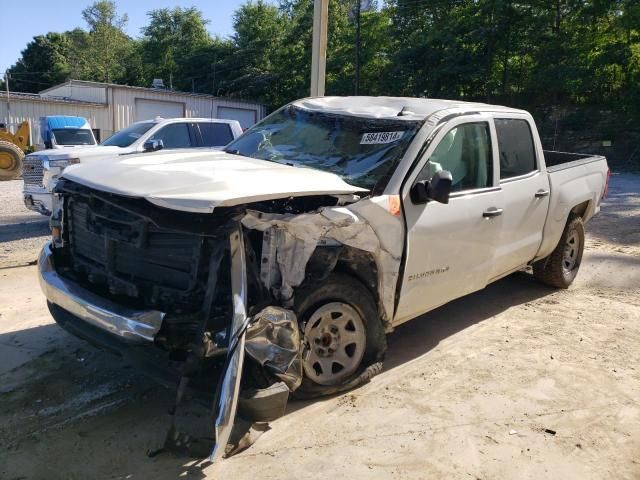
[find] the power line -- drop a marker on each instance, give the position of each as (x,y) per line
(28,73)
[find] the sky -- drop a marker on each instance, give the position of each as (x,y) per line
(20,25)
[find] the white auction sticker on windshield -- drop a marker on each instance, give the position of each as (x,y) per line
(380,137)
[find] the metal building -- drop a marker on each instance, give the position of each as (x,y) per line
(109,107)
(32,107)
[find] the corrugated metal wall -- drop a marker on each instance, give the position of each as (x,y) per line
(114,106)
(33,109)
(206,106)
(78,91)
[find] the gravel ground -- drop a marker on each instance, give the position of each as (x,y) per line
(22,232)
(515,381)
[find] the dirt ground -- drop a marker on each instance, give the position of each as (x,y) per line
(516,381)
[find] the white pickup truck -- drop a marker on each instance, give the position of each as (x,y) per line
(331,222)
(42,169)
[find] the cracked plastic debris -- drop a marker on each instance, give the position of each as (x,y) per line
(273,340)
(298,235)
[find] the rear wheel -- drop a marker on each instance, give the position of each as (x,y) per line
(10,161)
(342,332)
(561,267)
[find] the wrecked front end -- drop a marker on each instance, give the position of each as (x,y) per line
(213,294)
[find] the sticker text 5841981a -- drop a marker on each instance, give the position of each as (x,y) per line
(380,137)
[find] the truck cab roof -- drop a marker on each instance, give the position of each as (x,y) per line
(393,107)
(163,120)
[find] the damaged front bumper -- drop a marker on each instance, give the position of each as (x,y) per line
(135,326)
(38,200)
(274,340)
(128,324)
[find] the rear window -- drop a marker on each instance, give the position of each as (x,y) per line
(215,134)
(515,145)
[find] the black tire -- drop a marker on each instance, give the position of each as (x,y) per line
(556,270)
(339,287)
(11,153)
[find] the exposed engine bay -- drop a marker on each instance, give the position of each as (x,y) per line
(225,284)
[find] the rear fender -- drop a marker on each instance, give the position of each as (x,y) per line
(574,190)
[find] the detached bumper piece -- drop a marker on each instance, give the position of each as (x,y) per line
(272,340)
(229,388)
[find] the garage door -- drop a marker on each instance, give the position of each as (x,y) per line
(245,116)
(150,109)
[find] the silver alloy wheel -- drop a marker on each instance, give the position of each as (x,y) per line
(571,252)
(335,340)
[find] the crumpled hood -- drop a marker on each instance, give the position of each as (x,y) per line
(201,181)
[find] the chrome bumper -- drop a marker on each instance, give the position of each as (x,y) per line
(38,200)
(129,324)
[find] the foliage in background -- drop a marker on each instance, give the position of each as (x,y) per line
(566,60)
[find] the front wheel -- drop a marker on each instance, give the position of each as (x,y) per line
(342,332)
(11,158)
(561,267)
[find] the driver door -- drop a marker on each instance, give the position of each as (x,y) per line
(451,247)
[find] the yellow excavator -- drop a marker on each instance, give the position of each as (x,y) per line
(12,148)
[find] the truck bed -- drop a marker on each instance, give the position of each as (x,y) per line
(560,160)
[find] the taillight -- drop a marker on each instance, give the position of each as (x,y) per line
(606,185)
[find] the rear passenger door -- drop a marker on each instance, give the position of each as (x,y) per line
(213,134)
(525,188)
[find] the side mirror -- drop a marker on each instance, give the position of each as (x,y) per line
(438,189)
(153,145)
(48,145)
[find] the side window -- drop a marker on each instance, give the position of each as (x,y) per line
(215,134)
(465,151)
(515,144)
(174,135)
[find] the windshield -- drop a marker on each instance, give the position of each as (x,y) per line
(127,136)
(363,151)
(73,136)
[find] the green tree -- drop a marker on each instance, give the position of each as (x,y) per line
(544,55)
(107,47)
(255,66)
(173,45)
(42,64)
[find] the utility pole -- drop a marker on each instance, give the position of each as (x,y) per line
(214,66)
(213,83)
(358,8)
(319,47)
(6,84)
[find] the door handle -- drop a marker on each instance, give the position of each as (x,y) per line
(542,193)
(492,212)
